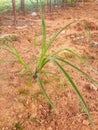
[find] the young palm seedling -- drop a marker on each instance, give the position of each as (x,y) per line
(57,60)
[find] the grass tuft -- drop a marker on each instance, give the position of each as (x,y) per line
(44,59)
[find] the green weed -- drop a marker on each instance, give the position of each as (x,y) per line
(57,60)
(37,94)
(23,101)
(23,92)
(88,31)
(34,119)
(18,126)
(81,107)
(70,2)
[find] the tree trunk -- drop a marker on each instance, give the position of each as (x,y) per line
(50,6)
(14,10)
(23,6)
(0,18)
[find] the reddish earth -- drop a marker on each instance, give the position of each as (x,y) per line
(22,105)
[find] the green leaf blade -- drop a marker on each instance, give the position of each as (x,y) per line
(44,91)
(75,89)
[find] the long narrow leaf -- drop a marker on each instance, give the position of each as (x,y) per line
(28,65)
(43,63)
(54,75)
(83,60)
(44,91)
(12,61)
(56,34)
(75,89)
(13,51)
(43,34)
(78,57)
(87,29)
(75,67)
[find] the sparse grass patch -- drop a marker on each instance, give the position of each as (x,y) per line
(23,101)
(36,95)
(34,119)
(23,92)
(18,126)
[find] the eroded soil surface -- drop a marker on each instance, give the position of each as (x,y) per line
(22,105)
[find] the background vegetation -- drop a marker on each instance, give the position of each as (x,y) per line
(6,5)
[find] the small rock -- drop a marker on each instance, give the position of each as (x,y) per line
(77,38)
(5,35)
(5,128)
(21,27)
(91,87)
(82,37)
(20,116)
(94,44)
(63,32)
(34,14)
(72,36)
(85,122)
(9,26)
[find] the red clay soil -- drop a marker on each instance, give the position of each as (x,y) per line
(22,105)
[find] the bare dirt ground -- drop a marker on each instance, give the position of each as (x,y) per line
(22,105)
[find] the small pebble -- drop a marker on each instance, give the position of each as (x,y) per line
(82,37)
(91,87)
(94,44)
(20,116)
(34,14)
(21,27)
(85,122)
(63,32)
